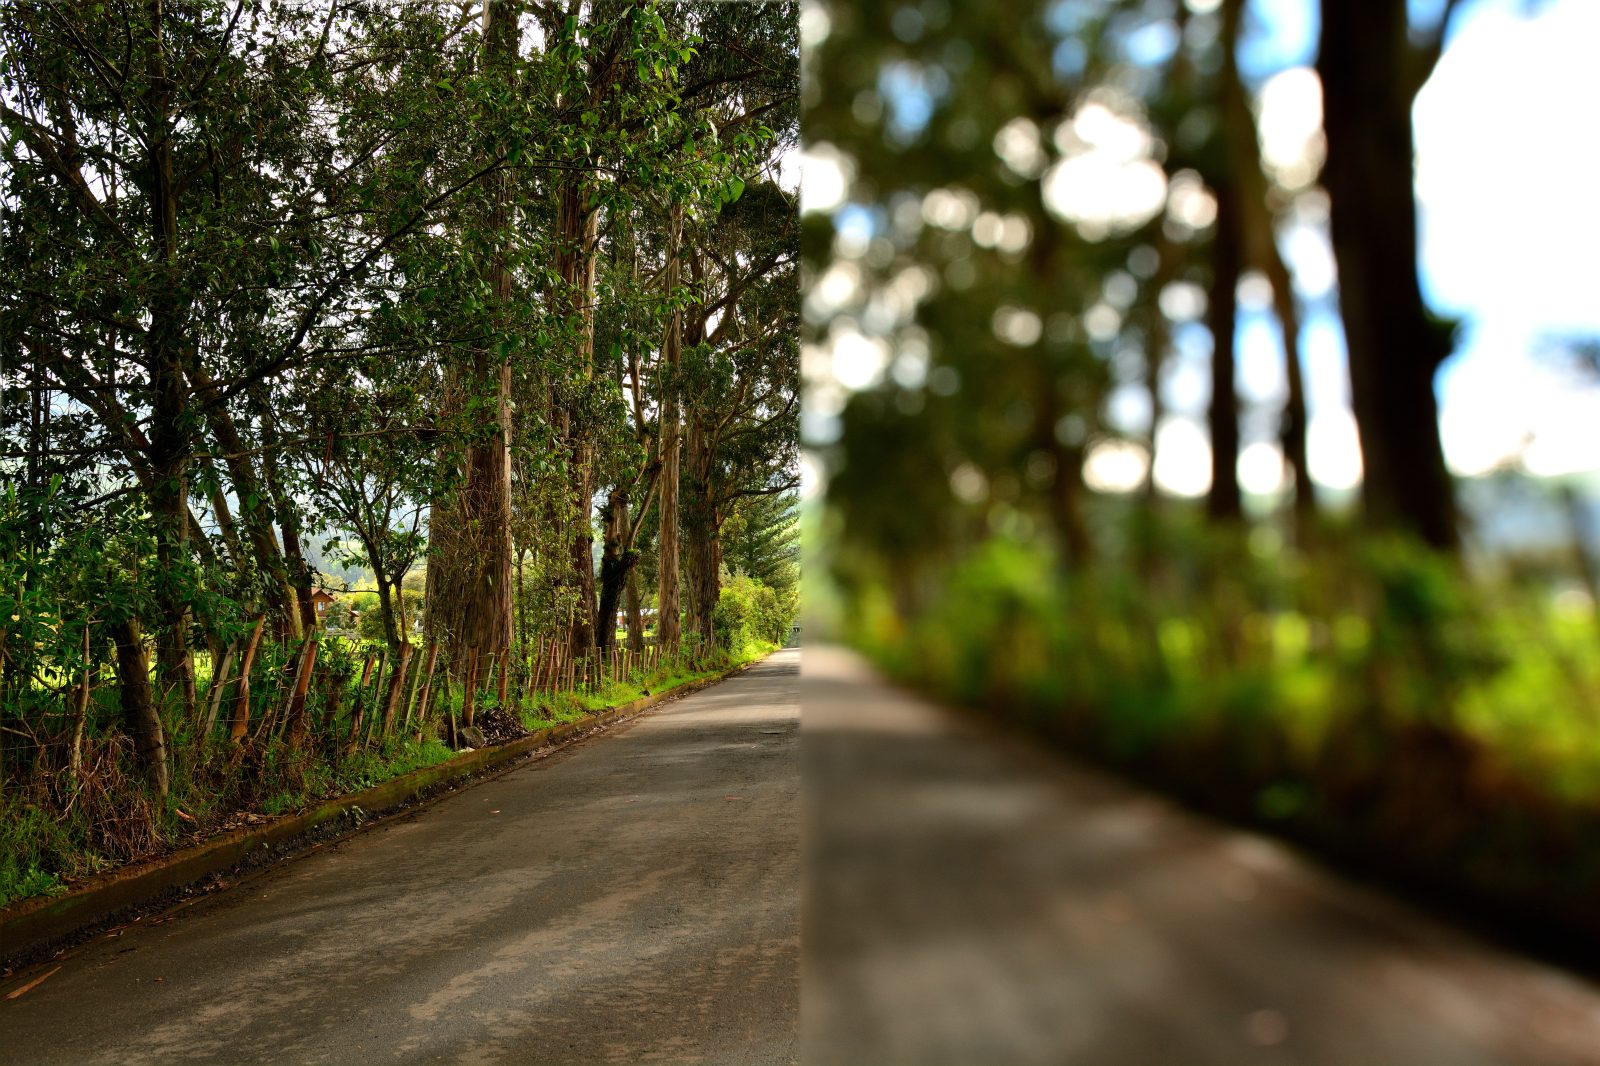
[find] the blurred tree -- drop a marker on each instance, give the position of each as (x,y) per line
(1371,69)
(1258,238)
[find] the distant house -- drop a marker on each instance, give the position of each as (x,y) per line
(319,603)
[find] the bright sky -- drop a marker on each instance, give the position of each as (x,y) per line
(1508,204)
(1506,174)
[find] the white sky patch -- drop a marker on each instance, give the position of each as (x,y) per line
(825,177)
(1309,251)
(1326,375)
(853,232)
(1019,148)
(1186,379)
(1115,466)
(858,360)
(910,367)
(1506,165)
(1507,406)
(1509,220)
(1102,321)
(1128,408)
(1017,326)
(838,287)
(1016,233)
(819,411)
(1183,457)
(987,228)
(1190,205)
(1105,182)
(1261,468)
(953,208)
(813,476)
(789,169)
(1182,301)
(815,24)
(1289,122)
(1260,353)
(1255,292)
(1333,449)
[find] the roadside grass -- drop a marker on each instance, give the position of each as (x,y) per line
(48,839)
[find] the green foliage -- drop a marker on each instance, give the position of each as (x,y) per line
(749,612)
(29,841)
(761,538)
(1369,694)
(294,346)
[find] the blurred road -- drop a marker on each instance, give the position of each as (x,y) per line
(633,898)
(970,900)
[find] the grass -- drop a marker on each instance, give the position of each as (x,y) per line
(27,834)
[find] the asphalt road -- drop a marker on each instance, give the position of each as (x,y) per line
(634,898)
(967,900)
(970,900)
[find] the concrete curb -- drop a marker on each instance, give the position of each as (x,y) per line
(29,927)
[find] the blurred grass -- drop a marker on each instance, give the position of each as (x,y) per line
(1371,698)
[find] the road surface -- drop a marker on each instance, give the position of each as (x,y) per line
(967,900)
(634,898)
(972,901)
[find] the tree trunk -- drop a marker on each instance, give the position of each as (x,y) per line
(294,715)
(253,500)
(139,716)
(469,572)
(701,529)
(1066,504)
(1257,229)
(667,609)
(391,704)
(285,510)
(388,596)
(1223,503)
(633,611)
(1157,350)
(1292,429)
(170,440)
(219,684)
(239,723)
(577,236)
(1369,83)
(617,559)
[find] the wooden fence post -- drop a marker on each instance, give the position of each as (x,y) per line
(470,697)
(397,685)
(360,700)
(294,716)
(428,690)
(80,715)
(219,681)
(240,723)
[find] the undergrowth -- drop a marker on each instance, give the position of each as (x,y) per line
(1376,699)
(56,829)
